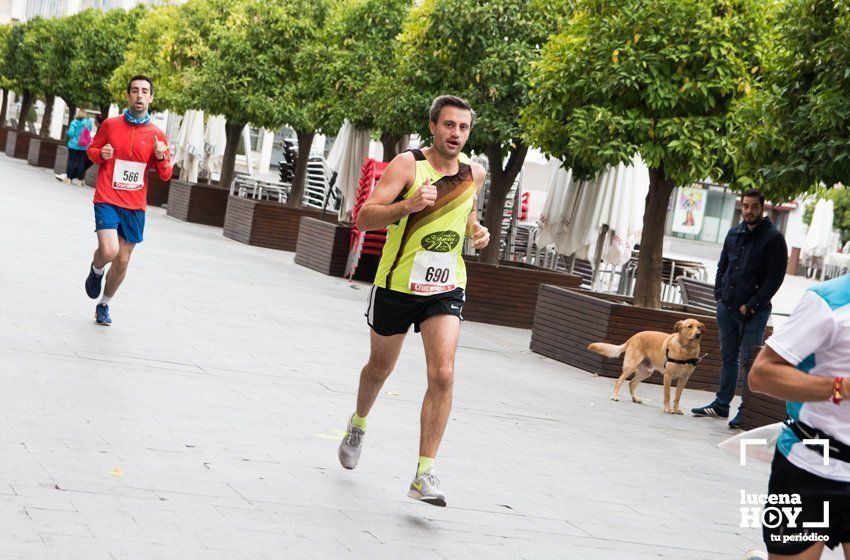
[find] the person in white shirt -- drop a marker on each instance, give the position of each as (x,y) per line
(804,363)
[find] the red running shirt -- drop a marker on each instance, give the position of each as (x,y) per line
(122,180)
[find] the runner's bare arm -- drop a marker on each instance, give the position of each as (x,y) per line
(772,375)
(479,234)
(382,208)
(97,144)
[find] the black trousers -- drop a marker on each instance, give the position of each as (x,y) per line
(77,160)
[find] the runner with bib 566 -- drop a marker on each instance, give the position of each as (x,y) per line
(125,147)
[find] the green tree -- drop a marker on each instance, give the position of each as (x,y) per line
(655,79)
(104,38)
(159,50)
(362,40)
(5,82)
(54,41)
(480,50)
(21,66)
(795,131)
(234,58)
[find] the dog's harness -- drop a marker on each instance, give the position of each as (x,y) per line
(692,362)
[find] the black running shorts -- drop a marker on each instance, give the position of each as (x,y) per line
(392,312)
(787,479)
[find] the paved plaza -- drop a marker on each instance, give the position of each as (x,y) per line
(204,423)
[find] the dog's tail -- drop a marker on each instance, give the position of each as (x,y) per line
(607,350)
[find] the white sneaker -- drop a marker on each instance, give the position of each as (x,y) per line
(351,446)
(426,488)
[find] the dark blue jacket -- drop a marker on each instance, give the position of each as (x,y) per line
(752,266)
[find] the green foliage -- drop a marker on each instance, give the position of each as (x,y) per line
(21,64)
(5,33)
(53,41)
(480,50)
(658,79)
(158,50)
(795,133)
(101,39)
(358,50)
(236,58)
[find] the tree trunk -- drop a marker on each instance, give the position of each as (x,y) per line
(502,177)
(305,140)
(648,282)
(5,108)
(390,143)
(47,117)
(72,111)
(233,132)
(26,104)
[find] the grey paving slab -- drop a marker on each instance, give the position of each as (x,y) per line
(204,423)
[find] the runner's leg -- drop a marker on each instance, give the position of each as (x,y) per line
(119,267)
(440,335)
(107,247)
(384,352)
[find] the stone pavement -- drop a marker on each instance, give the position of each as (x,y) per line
(204,423)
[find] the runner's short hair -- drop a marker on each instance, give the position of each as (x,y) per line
(140,77)
(753,193)
(450,101)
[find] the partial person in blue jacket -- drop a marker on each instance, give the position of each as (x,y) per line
(80,135)
(751,270)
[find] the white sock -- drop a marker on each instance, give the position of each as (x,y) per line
(105,300)
(98,271)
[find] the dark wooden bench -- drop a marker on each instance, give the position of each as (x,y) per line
(696,295)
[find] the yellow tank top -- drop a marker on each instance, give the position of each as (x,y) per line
(422,254)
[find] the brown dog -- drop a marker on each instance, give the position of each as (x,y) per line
(674,355)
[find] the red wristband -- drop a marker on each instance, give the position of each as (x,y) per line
(837,397)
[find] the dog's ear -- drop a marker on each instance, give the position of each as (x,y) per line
(677,326)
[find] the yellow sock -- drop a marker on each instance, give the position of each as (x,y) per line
(425,463)
(358,422)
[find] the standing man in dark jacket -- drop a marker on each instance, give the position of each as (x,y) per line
(751,269)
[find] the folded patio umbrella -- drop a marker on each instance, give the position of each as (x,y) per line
(346,157)
(575,212)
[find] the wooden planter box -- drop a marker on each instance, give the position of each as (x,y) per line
(566,321)
(759,409)
(42,151)
(60,163)
(323,246)
(196,203)
(507,294)
(91,175)
(17,143)
(266,224)
(157,189)
(3,132)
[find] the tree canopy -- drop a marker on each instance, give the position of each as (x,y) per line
(655,79)
(482,51)
(794,132)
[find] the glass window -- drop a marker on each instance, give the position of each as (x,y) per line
(718,217)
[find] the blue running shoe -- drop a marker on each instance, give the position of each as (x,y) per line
(101,315)
(93,283)
(735,423)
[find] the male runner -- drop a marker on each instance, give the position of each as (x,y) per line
(125,147)
(426,200)
(804,363)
